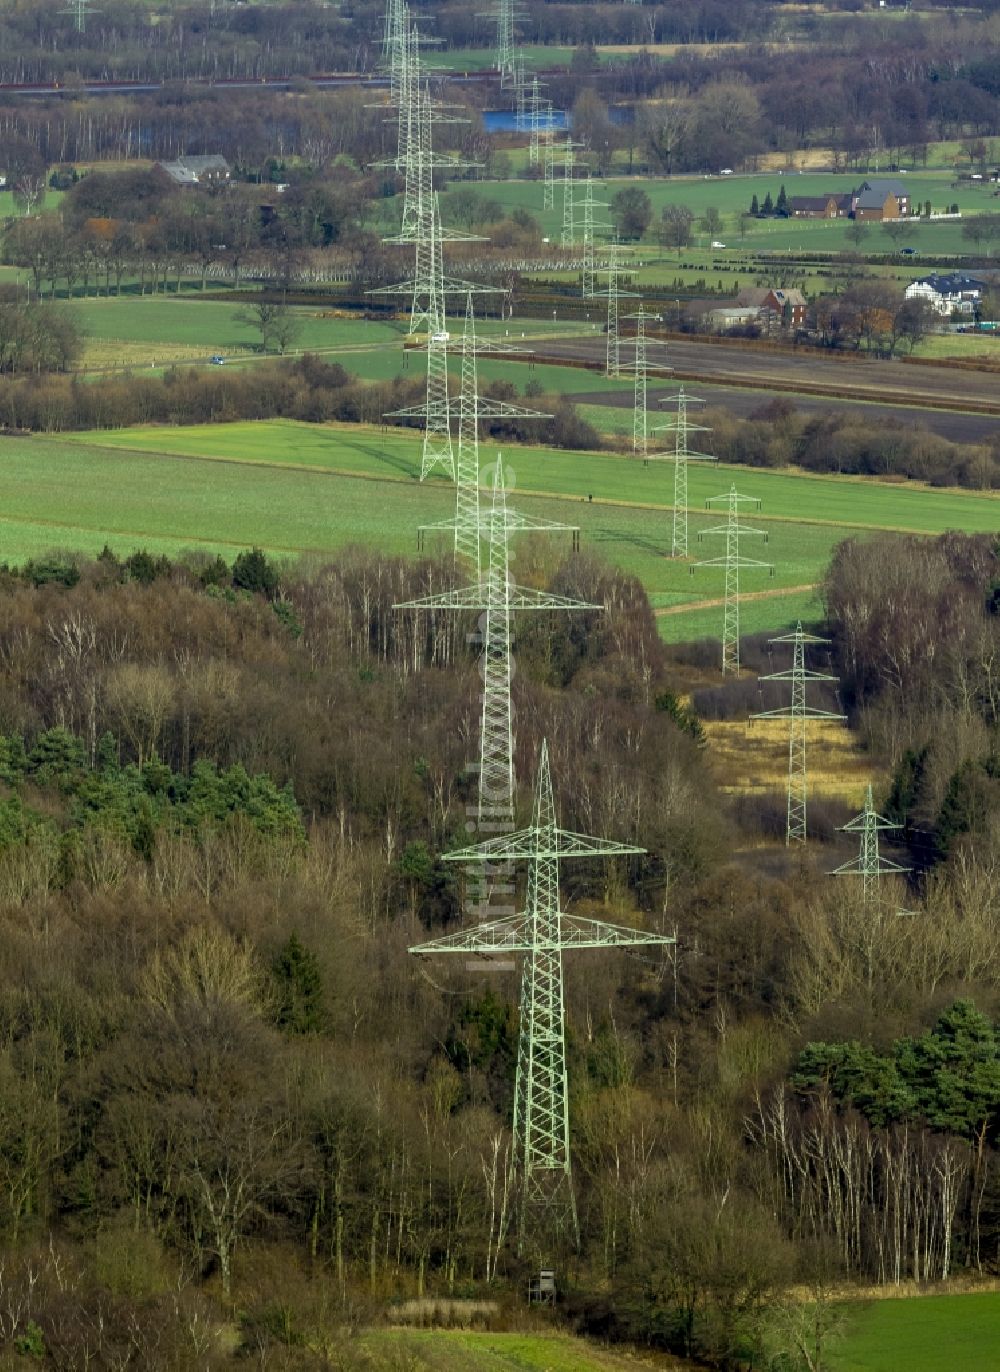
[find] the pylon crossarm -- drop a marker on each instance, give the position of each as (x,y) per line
(536,843)
(673,457)
(504,409)
(510,935)
(858,824)
(449,286)
(786,712)
(516,524)
(475,598)
(577,932)
(734,562)
(856,868)
(743,530)
(487,409)
(804,674)
(519,934)
(799,637)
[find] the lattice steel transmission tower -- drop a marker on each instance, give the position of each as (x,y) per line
(798,713)
(497,595)
(536,107)
(438,452)
(542,1163)
(548,148)
(869,865)
(614,295)
(472,408)
(640,366)
(680,426)
(733,531)
(505,14)
(80,9)
(568,239)
(589,227)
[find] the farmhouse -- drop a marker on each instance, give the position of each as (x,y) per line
(946,294)
(881,198)
(775,306)
(194,171)
(819,206)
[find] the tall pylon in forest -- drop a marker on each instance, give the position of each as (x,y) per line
(680,426)
(589,226)
(542,1161)
(798,712)
(80,9)
(869,865)
(733,531)
(640,367)
(496,594)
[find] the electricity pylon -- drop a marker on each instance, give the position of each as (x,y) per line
(640,366)
(80,9)
(680,426)
(589,226)
(614,294)
(542,1165)
(472,407)
(797,714)
(536,105)
(436,410)
(394,41)
(734,564)
(497,595)
(869,865)
(568,239)
(548,149)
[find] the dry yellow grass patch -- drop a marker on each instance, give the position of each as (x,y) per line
(106,353)
(751,758)
(802,159)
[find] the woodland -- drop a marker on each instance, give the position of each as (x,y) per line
(231,1100)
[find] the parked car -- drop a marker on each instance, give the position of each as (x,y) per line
(217,360)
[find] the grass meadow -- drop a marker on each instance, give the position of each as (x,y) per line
(304,489)
(926,1334)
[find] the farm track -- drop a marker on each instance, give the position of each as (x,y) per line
(927,387)
(690,606)
(956,425)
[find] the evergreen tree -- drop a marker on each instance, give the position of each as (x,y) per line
(768,208)
(299,985)
(755,208)
(781,206)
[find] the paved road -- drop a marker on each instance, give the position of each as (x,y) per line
(812,372)
(959,428)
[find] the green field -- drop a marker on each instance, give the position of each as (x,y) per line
(732,194)
(927,1334)
(300,489)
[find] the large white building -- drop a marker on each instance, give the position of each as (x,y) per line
(946,294)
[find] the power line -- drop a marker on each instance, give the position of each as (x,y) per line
(542,1162)
(869,865)
(681,426)
(798,712)
(733,531)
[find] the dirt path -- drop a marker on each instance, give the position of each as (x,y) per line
(691,606)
